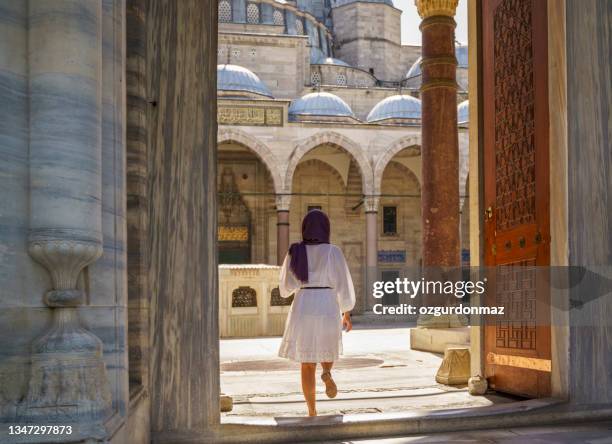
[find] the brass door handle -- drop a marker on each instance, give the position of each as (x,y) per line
(489,213)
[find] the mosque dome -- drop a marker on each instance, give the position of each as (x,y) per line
(337,3)
(234,78)
(463,113)
(461,53)
(332,61)
(320,104)
(396,107)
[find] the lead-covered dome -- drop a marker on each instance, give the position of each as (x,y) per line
(332,61)
(399,107)
(320,104)
(412,79)
(237,80)
(463,113)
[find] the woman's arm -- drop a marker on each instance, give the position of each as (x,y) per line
(343,283)
(288,283)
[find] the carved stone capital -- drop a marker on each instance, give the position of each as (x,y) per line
(64,253)
(371,204)
(429,8)
(283,202)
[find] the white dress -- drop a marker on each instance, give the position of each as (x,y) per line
(313,331)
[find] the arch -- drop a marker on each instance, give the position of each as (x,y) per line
(394,147)
(226,135)
(335,139)
(406,170)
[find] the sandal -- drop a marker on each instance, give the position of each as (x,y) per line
(330,386)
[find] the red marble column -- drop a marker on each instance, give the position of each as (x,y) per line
(440,150)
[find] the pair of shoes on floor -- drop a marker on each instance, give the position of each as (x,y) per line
(330,386)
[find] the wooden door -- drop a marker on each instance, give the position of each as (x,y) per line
(516,173)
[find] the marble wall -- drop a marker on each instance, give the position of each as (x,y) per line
(589,93)
(62,143)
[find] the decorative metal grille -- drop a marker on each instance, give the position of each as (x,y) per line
(277,301)
(516,291)
(299,26)
(225,11)
(514,115)
(253,52)
(235,53)
(244,297)
(341,80)
(315,78)
(253,14)
(278,18)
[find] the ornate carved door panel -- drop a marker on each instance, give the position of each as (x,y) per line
(515,134)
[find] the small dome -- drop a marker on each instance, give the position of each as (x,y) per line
(320,104)
(463,113)
(461,53)
(237,78)
(337,3)
(332,61)
(396,107)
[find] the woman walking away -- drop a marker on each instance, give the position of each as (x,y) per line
(316,272)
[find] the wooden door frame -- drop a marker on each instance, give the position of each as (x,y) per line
(558,154)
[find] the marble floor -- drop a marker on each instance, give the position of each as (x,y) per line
(589,433)
(378,373)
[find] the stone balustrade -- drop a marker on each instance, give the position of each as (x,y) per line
(249,301)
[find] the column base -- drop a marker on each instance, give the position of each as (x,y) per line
(455,368)
(437,339)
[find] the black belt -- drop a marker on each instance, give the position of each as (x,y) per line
(314,288)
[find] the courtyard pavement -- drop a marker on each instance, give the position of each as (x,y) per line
(377,373)
(590,433)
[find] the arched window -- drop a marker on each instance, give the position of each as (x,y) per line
(253,14)
(341,80)
(278,18)
(299,26)
(225,11)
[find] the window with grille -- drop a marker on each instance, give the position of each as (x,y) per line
(235,53)
(278,18)
(315,78)
(389,220)
(341,80)
(299,26)
(225,11)
(253,14)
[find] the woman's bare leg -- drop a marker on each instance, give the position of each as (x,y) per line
(327,366)
(309,386)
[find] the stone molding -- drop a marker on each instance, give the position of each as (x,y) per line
(64,258)
(430,8)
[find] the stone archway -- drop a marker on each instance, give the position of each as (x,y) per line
(394,148)
(335,139)
(226,135)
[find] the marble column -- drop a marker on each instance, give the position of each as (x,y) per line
(440,147)
(68,382)
(182,219)
(283,201)
(371,204)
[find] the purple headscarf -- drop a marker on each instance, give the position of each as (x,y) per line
(315,230)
